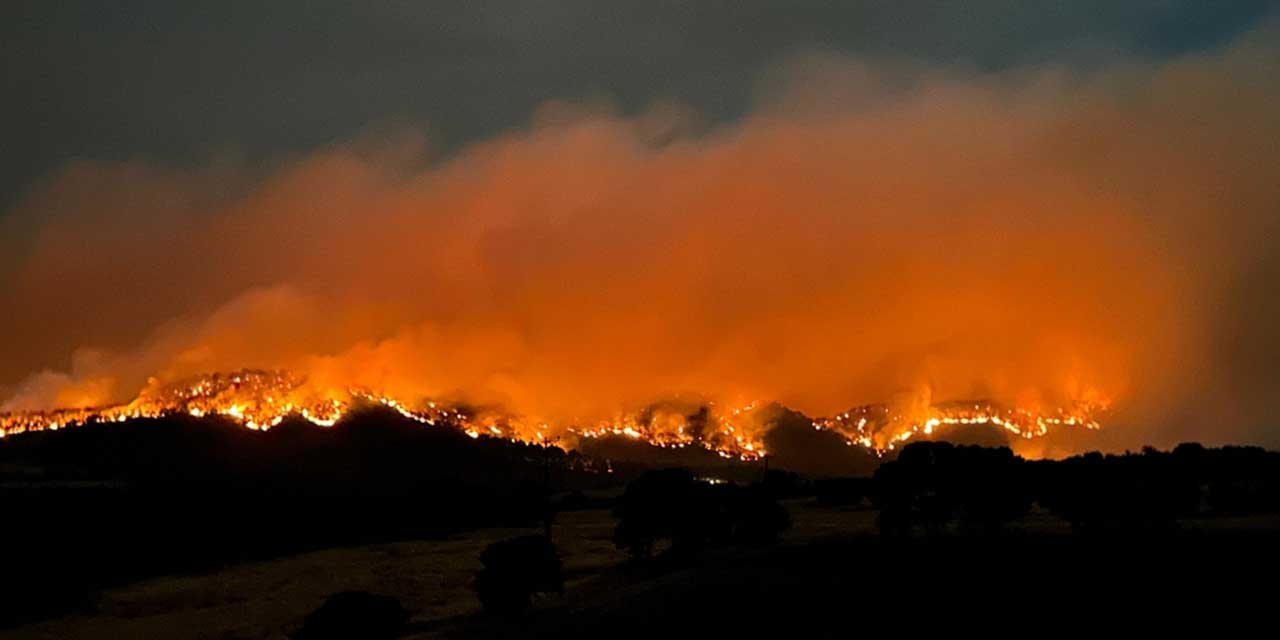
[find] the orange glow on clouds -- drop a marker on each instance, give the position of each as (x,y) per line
(1037,239)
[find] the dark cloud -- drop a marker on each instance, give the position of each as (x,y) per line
(181,81)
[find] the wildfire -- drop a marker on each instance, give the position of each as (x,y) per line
(260,400)
(670,426)
(879,428)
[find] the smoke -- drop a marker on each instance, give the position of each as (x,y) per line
(870,232)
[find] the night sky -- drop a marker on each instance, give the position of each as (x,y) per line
(183,81)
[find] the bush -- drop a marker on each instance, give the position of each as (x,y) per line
(667,504)
(514,570)
(672,505)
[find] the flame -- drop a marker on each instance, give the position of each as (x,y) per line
(880,428)
(260,400)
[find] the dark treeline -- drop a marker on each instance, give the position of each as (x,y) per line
(674,508)
(934,484)
(667,519)
(948,549)
(937,487)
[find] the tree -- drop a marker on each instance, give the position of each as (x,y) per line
(932,483)
(673,505)
(668,504)
(516,569)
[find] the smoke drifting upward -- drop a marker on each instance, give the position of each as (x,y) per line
(869,233)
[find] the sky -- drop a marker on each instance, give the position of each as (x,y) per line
(185,81)
(572,206)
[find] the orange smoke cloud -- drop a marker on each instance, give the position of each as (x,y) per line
(1036,237)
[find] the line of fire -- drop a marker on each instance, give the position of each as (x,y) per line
(259,400)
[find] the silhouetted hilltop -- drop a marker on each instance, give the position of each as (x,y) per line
(795,445)
(371,452)
(108,502)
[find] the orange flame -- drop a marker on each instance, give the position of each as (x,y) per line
(260,400)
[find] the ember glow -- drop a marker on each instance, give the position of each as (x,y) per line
(260,400)
(1052,243)
(880,428)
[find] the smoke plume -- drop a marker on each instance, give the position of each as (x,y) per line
(870,232)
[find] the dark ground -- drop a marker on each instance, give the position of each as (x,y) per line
(837,588)
(831,575)
(193,529)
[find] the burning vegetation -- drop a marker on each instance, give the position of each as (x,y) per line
(880,428)
(1024,238)
(259,400)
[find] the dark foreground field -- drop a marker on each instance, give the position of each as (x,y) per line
(830,575)
(183,528)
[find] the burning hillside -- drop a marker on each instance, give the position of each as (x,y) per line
(880,428)
(1040,241)
(259,400)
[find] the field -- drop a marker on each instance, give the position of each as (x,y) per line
(432,578)
(830,549)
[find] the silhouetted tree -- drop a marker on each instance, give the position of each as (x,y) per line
(516,569)
(990,486)
(1131,492)
(668,504)
(933,483)
(672,505)
(1242,480)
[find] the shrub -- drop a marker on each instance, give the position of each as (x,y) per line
(516,569)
